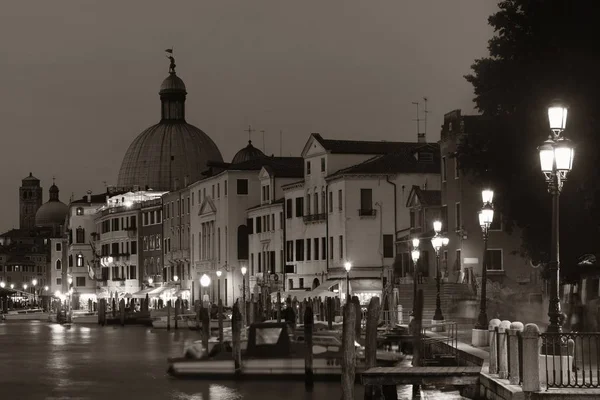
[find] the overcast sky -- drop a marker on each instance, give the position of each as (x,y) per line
(79,79)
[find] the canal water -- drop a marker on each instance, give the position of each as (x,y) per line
(39,360)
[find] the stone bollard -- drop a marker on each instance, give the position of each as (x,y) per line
(513,345)
(493,345)
(531,356)
(503,349)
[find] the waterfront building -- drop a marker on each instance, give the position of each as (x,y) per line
(58,265)
(349,207)
(117,239)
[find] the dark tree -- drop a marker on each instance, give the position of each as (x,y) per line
(541,50)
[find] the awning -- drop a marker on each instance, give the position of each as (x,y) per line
(142,293)
(181,292)
(365,285)
(157,291)
(326,286)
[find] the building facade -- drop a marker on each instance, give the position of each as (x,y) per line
(58,266)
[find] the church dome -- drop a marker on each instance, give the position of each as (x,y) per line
(170,150)
(53,212)
(247,153)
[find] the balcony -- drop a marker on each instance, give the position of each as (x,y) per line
(315,217)
(367,212)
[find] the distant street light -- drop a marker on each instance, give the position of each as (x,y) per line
(219,273)
(2,284)
(347,267)
(416,254)
(438,241)
(556,161)
(486,217)
(205,282)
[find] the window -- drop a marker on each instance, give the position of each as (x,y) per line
(366,200)
(70,260)
(250,225)
(308,249)
(323,248)
(299,249)
(225,192)
(80,235)
(494,260)
(288,208)
(458,261)
(289,250)
(58,264)
(322,164)
(443,169)
(330,249)
(212,193)
(388,246)
(59,281)
(80,281)
(258,224)
(133,247)
(290,283)
(316,243)
(133,270)
(457,217)
(145,241)
(456,169)
(299,206)
(58,247)
(242,186)
(308,168)
(301,283)
(251,264)
(307,204)
(218,190)
(79,260)
(316,197)
(79,211)
(330,202)
(340,200)
(341,246)
(259,262)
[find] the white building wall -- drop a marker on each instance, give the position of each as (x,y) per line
(82,216)
(58,251)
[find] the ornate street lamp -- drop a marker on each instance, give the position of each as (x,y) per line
(556,161)
(205,282)
(219,273)
(437,242)
(486,217)
(415,253)
(347,267)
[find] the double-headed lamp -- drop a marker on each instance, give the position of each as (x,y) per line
(486,216)
(219,273)
(558,153)
(347,266)
(557,116)
(415,255)
(415,243)
(436,242)
(437,226)
(205,280)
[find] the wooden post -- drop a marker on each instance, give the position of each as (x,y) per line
(330,312)
(358,319)
(169,315)
(251,306)
(278,305)
(531,358)
(236,330)
(114,308)
(177,303)
(513,345)
(348,353)
(198,313)
(503,349)
(296,310)
(220,318)
(493,345)
(308,354)
(416,326)
(122,311)
(371,345)
(103,312)
(205,328)
(268,307)
(100,312)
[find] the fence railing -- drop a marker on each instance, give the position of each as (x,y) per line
(570,360)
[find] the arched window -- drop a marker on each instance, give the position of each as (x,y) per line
(80,235)
(242,242)
(58,264)
(80,260)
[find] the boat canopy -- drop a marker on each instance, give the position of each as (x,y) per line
(142,293)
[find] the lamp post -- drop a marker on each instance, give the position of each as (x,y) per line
(486,217)
(243,271)
(438,241)
(415,253)
(219,273)
(347,267)
(205,282)
(556,160)
(33,285)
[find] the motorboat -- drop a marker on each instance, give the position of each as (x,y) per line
(26,314)
(270,352)
(85,318)
(185,321)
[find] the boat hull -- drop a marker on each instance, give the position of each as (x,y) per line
(27,317)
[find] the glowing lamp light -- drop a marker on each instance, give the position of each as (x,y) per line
(486,216)
(559,154)
(2,285)
(109,259)
(436,242)
(34,282)
(415,255)
(70,281)
(445,241)
(219,273)
(487,196)
(437,226)
(415,243)
(348,266)
(175,278)
(205,280)
(244,270)
(128,204)
(57,293)
(46,288)
(150,280)
(557,116)
(12,285)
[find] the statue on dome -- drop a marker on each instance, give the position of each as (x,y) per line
(172,59)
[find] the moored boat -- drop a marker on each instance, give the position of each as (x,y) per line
(185,321)
(29,314)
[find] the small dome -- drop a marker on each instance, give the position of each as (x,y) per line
(172,83)
(53,212)
(247,153)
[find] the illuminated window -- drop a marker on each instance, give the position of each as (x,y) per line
(79,260)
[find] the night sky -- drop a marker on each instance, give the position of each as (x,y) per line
(79,80)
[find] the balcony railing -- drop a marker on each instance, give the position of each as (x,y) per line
(315,217)
(367,212)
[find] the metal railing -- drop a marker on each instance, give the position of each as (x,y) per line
(440,340)
(571,360)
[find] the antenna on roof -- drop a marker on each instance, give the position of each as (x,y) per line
(426,112)
(280,143)
(249,130)
(263,132)
(418,120)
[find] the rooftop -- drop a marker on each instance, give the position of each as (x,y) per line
(363,146)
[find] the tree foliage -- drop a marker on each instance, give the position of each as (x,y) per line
(541,50)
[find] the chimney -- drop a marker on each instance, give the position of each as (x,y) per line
(421,138)
(89,196)
(185,181)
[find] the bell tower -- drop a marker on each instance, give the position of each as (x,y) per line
(30,199)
